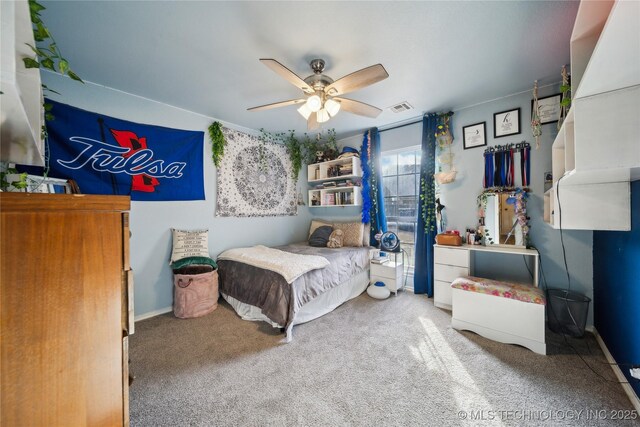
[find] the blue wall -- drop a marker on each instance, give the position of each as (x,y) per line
(616,289)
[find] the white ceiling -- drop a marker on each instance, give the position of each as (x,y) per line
(203,56)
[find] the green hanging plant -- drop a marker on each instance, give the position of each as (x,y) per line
(327,145)
(295,153)
(428,201)
(5,185)
(293,145)
(217,142)
(48,57)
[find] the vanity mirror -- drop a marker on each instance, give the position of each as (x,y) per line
(504,216)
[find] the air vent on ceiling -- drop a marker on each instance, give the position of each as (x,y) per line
(399,108)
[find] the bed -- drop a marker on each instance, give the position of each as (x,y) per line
(258,293)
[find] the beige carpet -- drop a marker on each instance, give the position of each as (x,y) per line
(369,363)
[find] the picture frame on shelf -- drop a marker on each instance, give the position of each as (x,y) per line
(474,135)
(548,109)
(506,123)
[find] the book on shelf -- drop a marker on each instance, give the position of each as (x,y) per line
(380,260)
(344,198)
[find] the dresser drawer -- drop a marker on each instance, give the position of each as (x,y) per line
(448,273)
(442,294)
(388,270)
(459,257)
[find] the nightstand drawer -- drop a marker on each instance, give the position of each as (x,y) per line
(392,284)
(389,270)
(459,257)
(448,273)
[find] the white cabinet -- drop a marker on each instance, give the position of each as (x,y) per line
(597,151)
(451,262)
(448,264)
(21,102)
(347,170)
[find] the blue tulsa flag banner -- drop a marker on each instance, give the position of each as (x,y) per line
(111,156)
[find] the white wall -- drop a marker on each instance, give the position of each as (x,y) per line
(151,221)
(459,197)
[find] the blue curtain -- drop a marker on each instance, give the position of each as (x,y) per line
(372,193)
(426,232)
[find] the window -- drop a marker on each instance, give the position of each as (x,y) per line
(401,187)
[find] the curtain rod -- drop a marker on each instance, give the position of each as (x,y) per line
(401,126)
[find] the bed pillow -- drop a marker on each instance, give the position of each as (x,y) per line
(320,237)
(335,240)
(366,235)
(315,224)
(188,243)
(353,233)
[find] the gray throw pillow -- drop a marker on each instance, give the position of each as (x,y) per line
(320,237)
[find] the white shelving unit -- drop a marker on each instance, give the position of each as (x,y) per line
(335,197)
(22,115)
(319,173)
(597,150)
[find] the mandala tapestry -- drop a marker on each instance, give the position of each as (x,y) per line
(254,178)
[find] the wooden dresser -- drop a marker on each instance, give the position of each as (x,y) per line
(65,310)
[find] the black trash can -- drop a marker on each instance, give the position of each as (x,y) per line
(567,312)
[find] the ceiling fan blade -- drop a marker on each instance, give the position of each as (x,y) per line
(357,80)
(277,104)
(357,107)
(312,122)
(287,74)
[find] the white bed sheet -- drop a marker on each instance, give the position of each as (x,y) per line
(325,303)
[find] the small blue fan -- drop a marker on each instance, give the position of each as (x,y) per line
(390,242)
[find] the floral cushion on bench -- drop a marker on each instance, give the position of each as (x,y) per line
(517,291)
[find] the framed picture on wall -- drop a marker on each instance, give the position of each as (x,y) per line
(548,108)
(506,123)
(474,135)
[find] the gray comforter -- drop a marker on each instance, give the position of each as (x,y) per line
(277,299)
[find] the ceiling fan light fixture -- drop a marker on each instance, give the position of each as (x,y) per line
(322,116)
(314,103)
(332,107)
(304,111)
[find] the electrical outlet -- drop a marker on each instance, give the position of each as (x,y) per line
(635,372)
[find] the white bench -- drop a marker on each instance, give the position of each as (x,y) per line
(509,313)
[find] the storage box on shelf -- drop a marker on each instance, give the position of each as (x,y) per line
(597,149)
(335,172)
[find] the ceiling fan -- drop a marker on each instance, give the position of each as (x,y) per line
(323,96)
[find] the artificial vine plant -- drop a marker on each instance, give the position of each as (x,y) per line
(303,151)
(217,142)
(47,53)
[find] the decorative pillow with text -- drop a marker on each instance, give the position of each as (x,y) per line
(189,244)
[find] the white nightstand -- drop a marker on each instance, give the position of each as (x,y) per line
(390,273)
